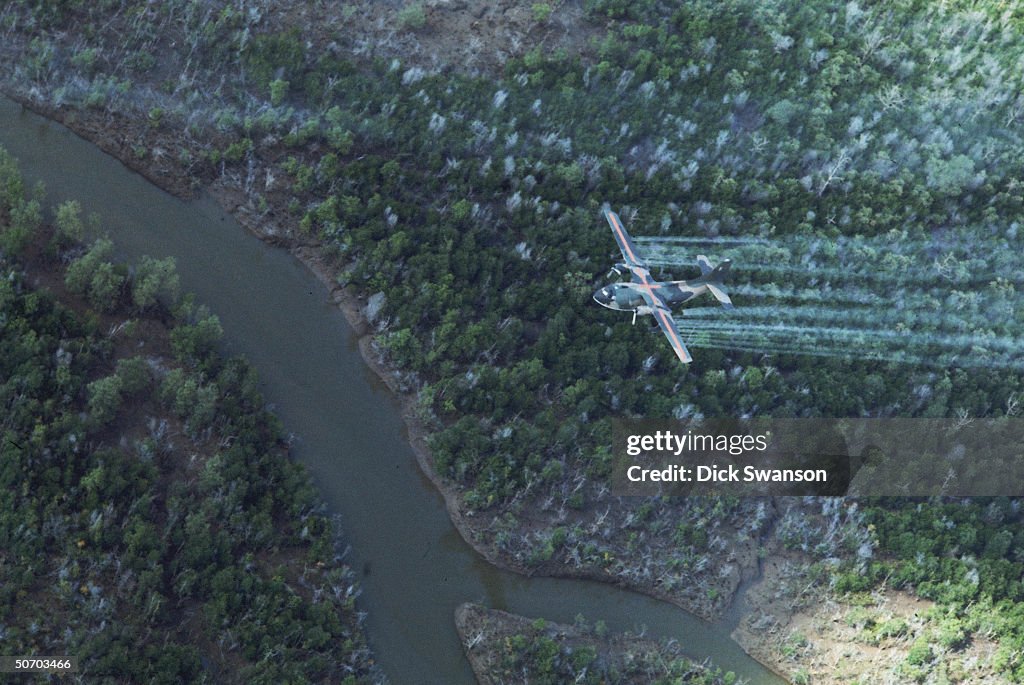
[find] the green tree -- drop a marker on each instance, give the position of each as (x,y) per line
(155,281)
(106,287)
(93,277)
(278,91)
(134,375)
(105,398)
(70,229)
(195,343)
(25,218)
(412,16)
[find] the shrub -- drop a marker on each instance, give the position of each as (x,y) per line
(69,227)
(105,398)
(25,219)
(155,280)
(278,91)
(412,16)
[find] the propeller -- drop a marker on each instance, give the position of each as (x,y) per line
(616,269)
(634,317)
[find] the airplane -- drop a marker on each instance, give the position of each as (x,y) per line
(643,295)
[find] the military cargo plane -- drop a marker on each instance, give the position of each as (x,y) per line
(644,295)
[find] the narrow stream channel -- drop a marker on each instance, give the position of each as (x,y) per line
(414,567)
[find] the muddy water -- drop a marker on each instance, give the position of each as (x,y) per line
(414,567)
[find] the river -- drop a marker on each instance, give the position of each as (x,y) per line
(413,566)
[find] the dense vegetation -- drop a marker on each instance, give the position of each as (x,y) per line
(151,523)
(469,207)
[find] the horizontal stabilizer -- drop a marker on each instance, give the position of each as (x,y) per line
(720,295)
(704,264)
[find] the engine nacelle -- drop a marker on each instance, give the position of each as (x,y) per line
(642,310)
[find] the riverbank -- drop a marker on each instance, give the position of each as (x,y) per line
(506,648)
(737,564)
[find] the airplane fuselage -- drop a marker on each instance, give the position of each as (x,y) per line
(628,297)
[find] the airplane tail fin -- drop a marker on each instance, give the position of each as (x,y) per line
(719,272)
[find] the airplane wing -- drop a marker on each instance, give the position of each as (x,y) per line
(663,315)
(630,254)
(668,327)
